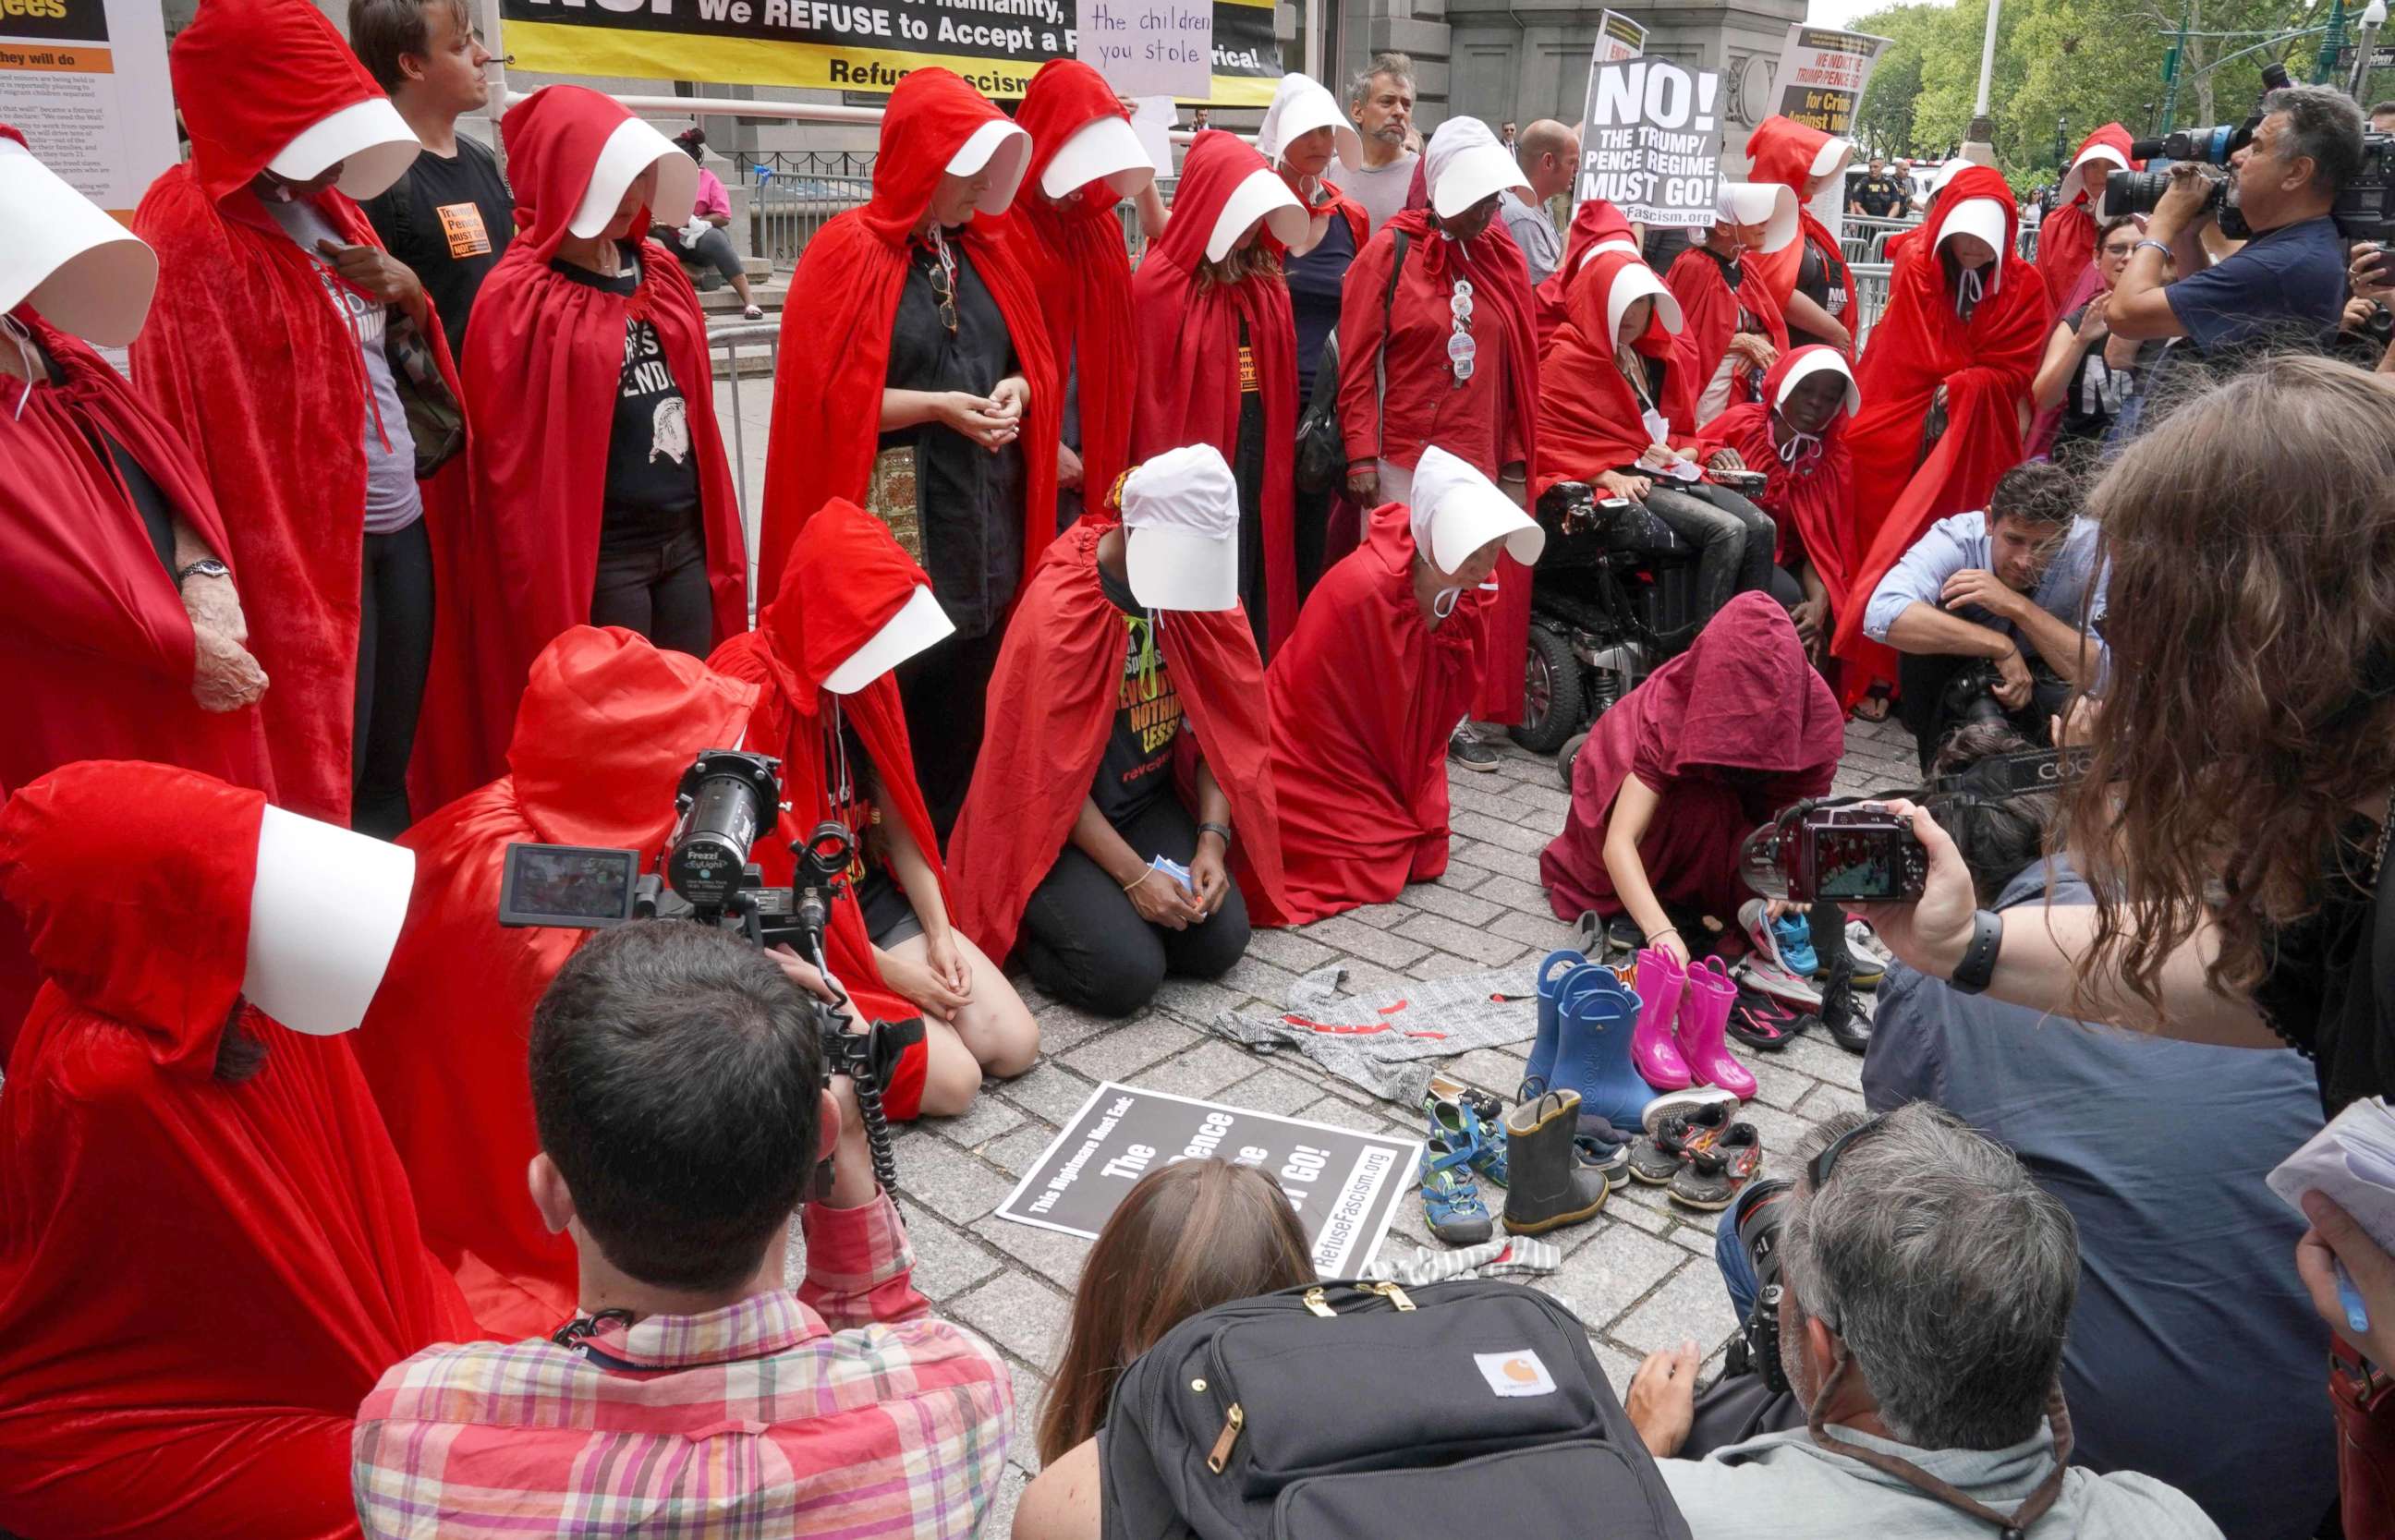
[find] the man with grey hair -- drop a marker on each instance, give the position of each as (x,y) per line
(1381,100)
(1548,155)
(1925,1288)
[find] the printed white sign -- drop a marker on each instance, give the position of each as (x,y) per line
(1652,143)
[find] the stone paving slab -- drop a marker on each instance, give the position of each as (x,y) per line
(1641,1275)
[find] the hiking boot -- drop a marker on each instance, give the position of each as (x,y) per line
(1470,752)
(1551,1187)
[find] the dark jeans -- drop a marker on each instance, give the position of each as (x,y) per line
(945,692)
(1733,539)
(1086,945)
(1921,680)
(714,249)
(394,652)
(660,591)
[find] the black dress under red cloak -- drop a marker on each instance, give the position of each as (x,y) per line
(543,363)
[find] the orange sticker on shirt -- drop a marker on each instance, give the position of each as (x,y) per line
(463,224)
(1248,380)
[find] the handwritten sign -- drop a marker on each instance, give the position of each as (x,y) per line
(1652,145)
(1149,47)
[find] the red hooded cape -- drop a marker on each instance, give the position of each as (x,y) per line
(1741,698)
(1781,149)
(1592,222)
(543,367)
(1590,421)
(1074,253)
(836,346)
(1708,310)
(81,566)
(609,723)
(2066,242)
(1361,774)
(1056,681)
(1816,496)
(1188,385)
(244,357)
(202,1280)
(1919,345)
(847,579)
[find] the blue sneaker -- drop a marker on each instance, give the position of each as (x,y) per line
(1787,940)
(1451,1201)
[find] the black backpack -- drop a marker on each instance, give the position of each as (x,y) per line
(1363,1411)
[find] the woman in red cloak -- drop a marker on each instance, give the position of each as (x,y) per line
(284,345)
(1795,435)
(2066,242)
(1732,330)
(1078,814)
(1361,774)
(209,1253)
(1595,226)
(1808,276)
(1599,422)
(587,334)
(1068,235)
(119,627)
(917,381)
(1674,778)
(853,606)
(608,725)
(1219,351)
(1454,361)
(1946,387)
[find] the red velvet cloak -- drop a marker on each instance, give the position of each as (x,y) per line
(1055,683)
(835,352)
(1590,421)
(1593,223)
(1709,309)
(851,576)
(244,357)
(1188,383)
(1781,149)
(1985,367)
(1815,497)
(2066,242)
(1742,697)
(1073,252)
(608,725)
(201,1281)
(93,636)
(1361,774)
(542,370)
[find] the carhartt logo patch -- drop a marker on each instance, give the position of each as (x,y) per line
(1516,1374)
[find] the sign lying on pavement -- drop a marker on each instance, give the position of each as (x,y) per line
(1345,1185)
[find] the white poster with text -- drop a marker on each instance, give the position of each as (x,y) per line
(1652,143)
(84,81)
(1150,47)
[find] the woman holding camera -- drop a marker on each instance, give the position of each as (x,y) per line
(2235,817)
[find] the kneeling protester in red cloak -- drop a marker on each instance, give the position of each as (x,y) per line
(595,439)
(609,723)
(1360,771)
(1098,831)
(208,1255)
(853,606)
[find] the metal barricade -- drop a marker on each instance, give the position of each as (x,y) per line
(787,208)
(1871,296)
(744,352)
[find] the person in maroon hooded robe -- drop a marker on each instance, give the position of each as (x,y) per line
(209,1252)
(121,629)
(587,334)
(1674,778)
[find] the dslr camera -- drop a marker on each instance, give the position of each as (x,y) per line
(723,801)
(2366,207)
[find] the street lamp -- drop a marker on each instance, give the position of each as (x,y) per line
(2373,17)
(1982,137)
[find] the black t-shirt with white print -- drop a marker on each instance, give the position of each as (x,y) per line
(651,468)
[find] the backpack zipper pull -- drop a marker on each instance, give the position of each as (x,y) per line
(1391,1292)
(1219,1455)
(1320,1303)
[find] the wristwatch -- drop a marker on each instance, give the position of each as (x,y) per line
(1979,965)
(207,566)
(1222,829)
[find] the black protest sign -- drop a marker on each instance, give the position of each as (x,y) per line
(1651,144)
(1345,1185)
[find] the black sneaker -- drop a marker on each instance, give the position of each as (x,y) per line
(1470,753)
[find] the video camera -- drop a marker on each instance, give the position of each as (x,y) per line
(722,803)
(2365,205)
(1850,850)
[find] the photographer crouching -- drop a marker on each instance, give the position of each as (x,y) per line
(2236,810)
(679,1088)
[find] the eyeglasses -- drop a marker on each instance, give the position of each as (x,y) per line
(1816,1170)
(943,275)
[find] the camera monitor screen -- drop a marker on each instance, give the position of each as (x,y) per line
(567,884)
(1854,864)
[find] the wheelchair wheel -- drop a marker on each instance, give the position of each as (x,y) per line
(1554,697)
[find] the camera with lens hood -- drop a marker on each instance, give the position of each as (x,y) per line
(2365,205)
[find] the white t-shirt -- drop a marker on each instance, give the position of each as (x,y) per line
(1383,192)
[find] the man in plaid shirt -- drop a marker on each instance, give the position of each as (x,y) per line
(679,1089)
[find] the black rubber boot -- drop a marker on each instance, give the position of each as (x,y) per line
(1548,1185)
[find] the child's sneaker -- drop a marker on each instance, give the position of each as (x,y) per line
(1787,940)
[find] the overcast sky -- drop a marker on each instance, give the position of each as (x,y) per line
(1837,13)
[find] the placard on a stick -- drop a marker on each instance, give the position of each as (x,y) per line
(1345,1185)
(1618,37)
(1651,144)
(1821,76)
(1149,47)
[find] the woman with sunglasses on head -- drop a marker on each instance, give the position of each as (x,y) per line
(919,382)
(2088,371)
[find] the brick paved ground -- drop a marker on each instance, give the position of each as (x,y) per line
(1641,1275)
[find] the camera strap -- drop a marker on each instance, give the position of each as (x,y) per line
(2012,1527)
